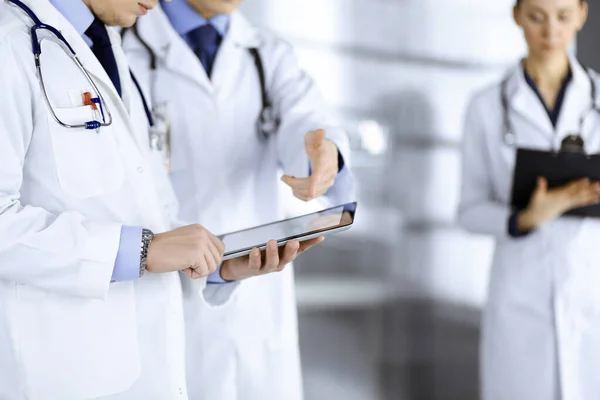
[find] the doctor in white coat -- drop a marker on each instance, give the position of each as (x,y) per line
(214,99)
(541,324)
(90,297)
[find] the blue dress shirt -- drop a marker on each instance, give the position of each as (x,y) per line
(185,19)
(554,113)
(78,15)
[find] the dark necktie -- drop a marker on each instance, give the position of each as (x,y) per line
(102,48)
(205,42)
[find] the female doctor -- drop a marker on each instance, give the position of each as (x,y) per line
(541,326)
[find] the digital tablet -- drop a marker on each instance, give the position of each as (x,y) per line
(305,227)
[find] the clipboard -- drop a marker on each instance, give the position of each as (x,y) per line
(559,168)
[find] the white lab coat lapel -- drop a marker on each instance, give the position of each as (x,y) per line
(170,49)
(524,101)
(576,104)
(240,37)
(592,122)
(129,93)
(133,111)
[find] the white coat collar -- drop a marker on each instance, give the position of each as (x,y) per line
(242,33)
(523,100)
(241,36)
(173,53)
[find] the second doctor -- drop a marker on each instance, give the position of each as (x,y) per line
(541,321)
(216,77)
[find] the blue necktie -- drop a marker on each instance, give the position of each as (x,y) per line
(205,42)
(102,48)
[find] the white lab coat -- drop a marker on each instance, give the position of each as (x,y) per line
(66,333)
(226,178)
(541,324)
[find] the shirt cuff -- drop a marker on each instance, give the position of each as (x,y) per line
(216,278)
(340,161)
(127,263)
(513,226)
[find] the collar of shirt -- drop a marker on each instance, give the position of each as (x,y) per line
(78,15)
(555,112)
(185,19)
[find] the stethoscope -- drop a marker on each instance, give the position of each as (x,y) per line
(267,122)
(509,135)
(158,116)
(106,115)
(107,119)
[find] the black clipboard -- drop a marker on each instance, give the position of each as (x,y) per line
(559,168)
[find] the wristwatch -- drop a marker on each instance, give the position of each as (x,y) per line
(147,236)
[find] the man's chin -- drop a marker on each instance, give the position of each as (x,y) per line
(126,21)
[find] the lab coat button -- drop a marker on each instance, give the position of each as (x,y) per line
(140,170)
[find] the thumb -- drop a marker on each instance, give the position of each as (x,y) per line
(314,138)
(542,185)
(289,180)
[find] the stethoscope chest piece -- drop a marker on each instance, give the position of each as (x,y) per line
(572,144)
(267,123)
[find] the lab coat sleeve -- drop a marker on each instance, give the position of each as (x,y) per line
(301,109)
(478,211)
(209,295)
(218,295)
(65,253)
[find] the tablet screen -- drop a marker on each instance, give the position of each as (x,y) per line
(289,229)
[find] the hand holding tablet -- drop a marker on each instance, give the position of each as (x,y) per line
(300,229)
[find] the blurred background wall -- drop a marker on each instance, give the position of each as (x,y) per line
(588,47)
(391,309)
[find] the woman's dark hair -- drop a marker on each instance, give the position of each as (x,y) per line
(520,1)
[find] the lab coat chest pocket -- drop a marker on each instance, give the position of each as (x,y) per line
(87,163)
(74,348)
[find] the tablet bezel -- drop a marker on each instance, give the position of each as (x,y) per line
(350,207)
